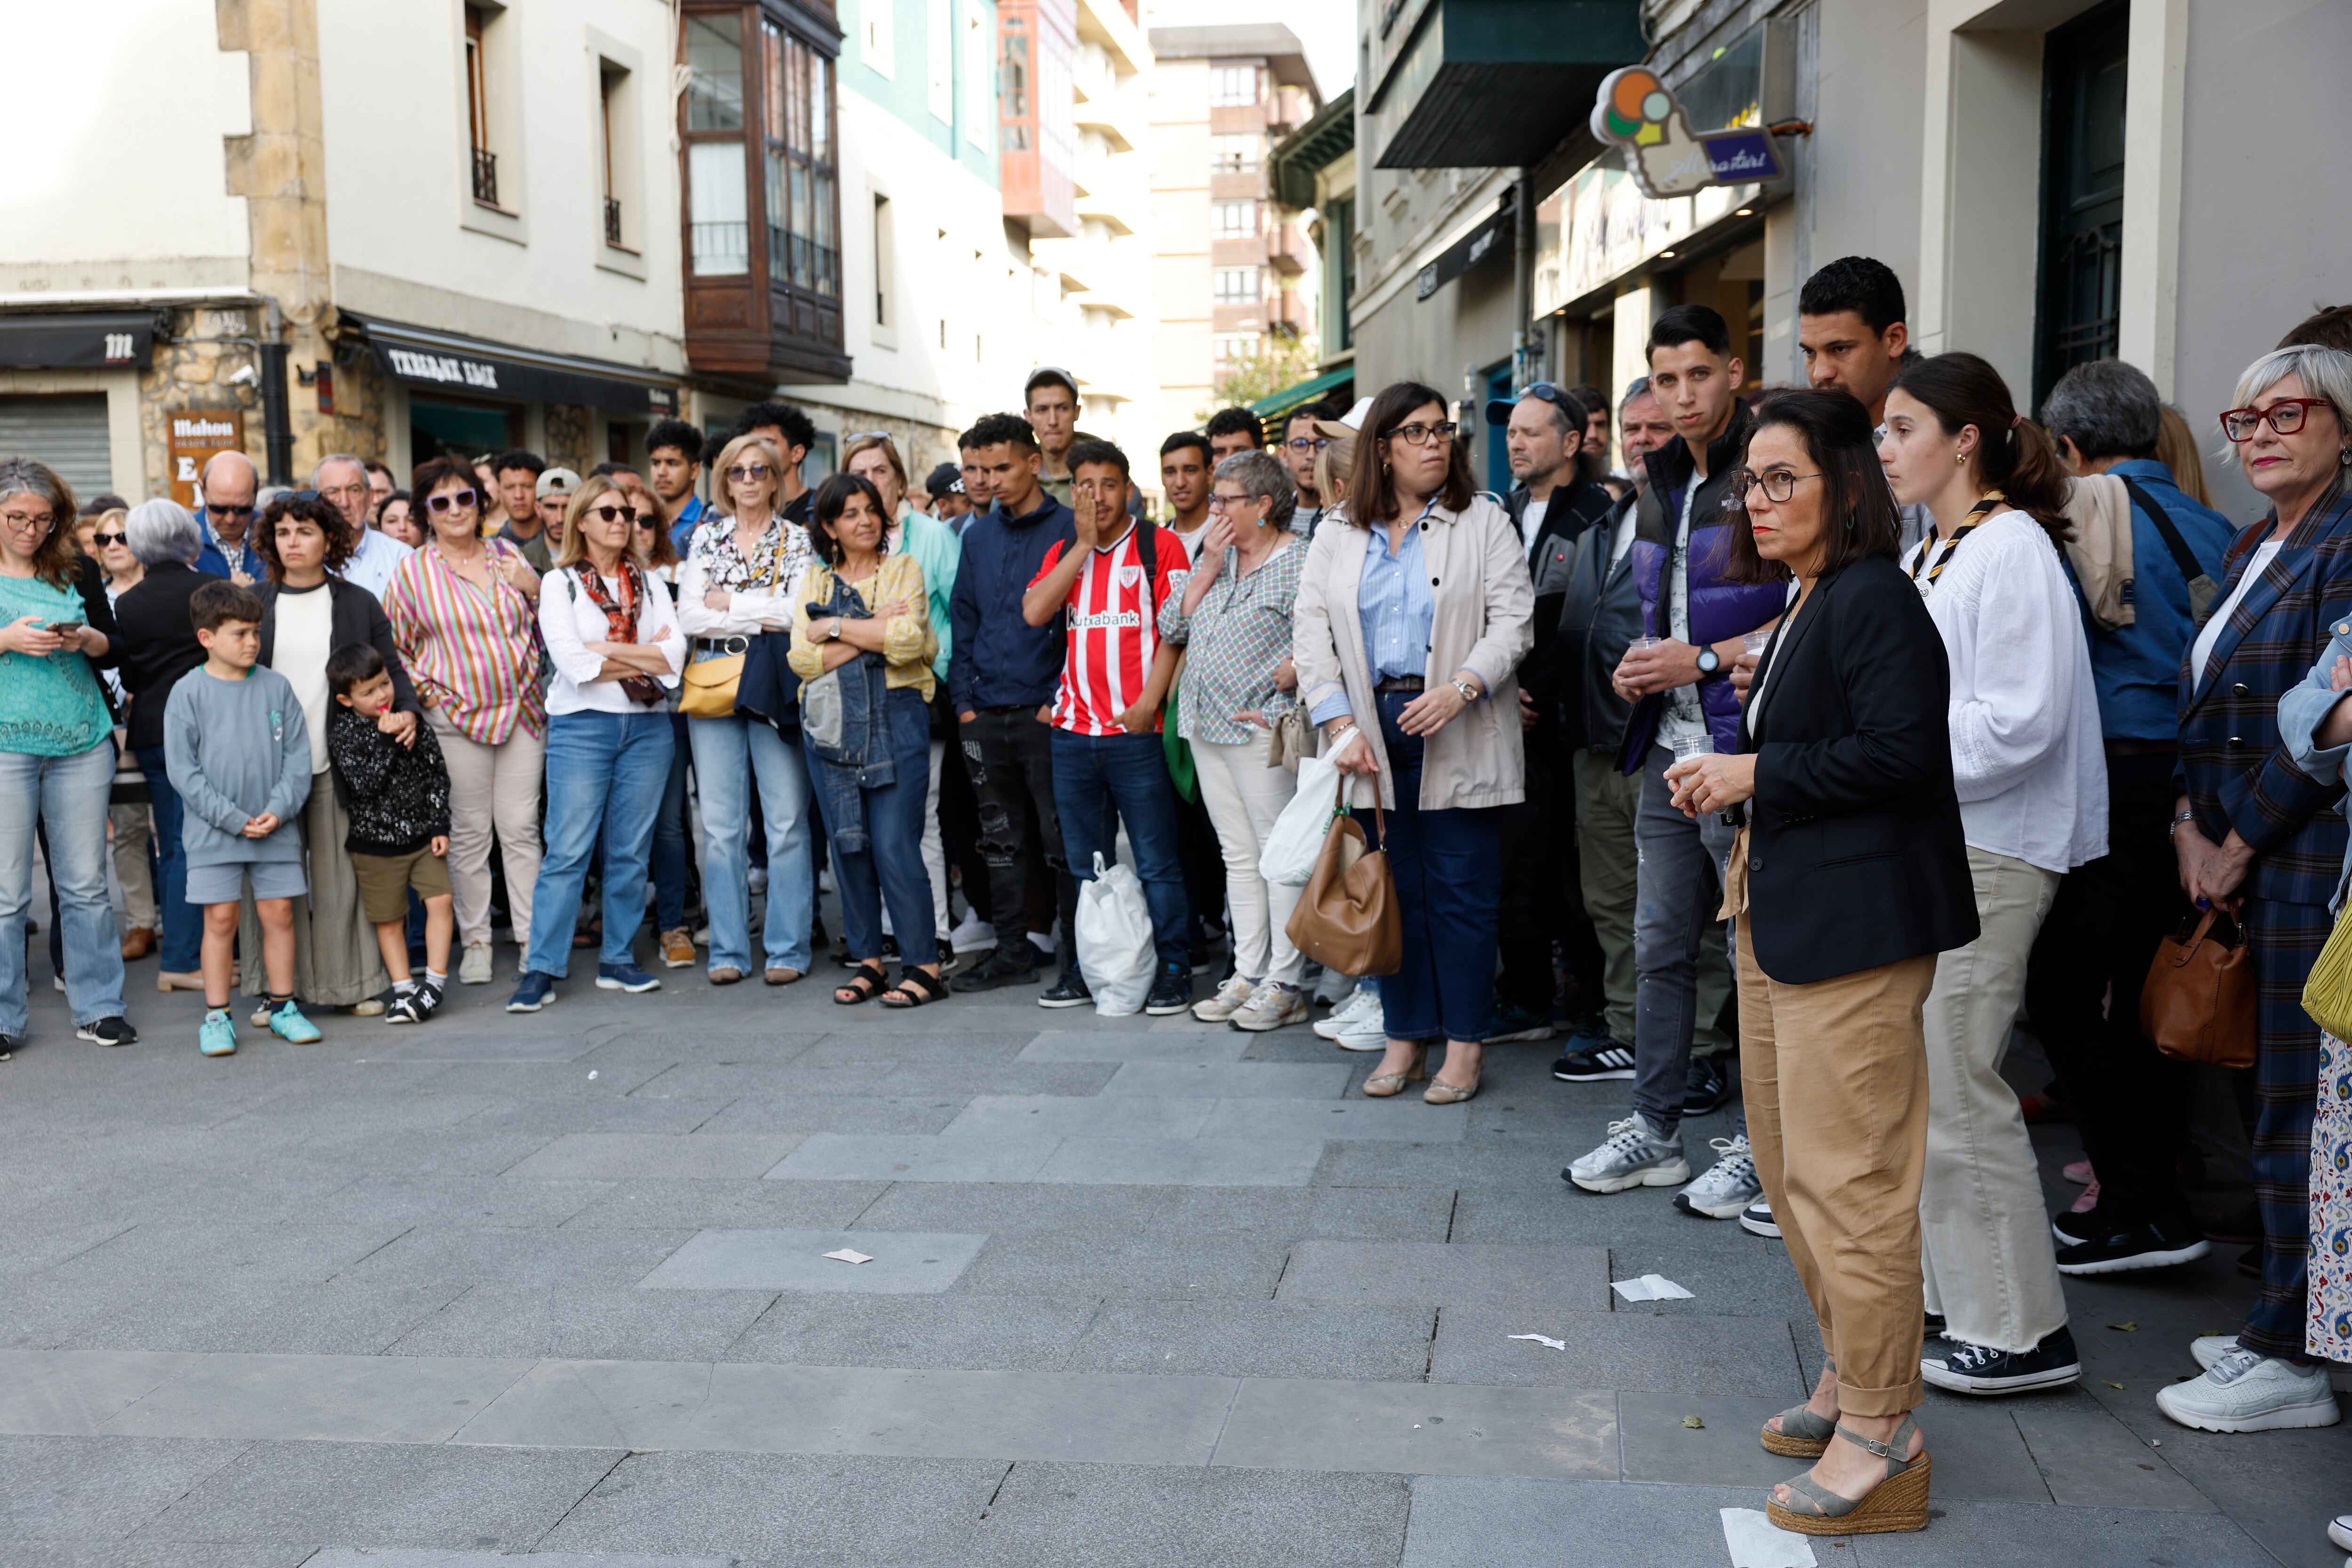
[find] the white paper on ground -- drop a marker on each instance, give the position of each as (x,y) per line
(1757,1542)
(1650,1288)
(847,1254)
(1554,1344)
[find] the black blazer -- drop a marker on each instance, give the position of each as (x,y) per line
(1855,857)
(354,617)
(157,643)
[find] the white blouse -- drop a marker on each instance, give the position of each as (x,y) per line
(2027,756)
(569,620)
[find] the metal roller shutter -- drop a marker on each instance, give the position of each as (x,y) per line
(69,434)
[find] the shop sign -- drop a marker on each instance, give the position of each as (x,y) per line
(1635,111)
(194,435)
(1599,225)
(443,370)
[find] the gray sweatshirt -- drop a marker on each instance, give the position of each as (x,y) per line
(236,749)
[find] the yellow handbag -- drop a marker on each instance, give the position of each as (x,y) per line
(706,688)
(2327,995)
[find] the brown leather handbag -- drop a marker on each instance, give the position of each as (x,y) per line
(2199,1001)
(1347,918)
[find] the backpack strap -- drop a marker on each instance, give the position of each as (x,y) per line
(2190,567)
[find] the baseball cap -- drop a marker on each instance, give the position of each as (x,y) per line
(557,482)
(1498,409)
(946,480)
(1348,425)
(1049,375)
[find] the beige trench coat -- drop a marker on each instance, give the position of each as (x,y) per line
(1484,606)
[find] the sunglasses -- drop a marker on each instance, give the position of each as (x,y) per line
(448,499)
(607,512)
(218,508)
(743,471)
(102,540)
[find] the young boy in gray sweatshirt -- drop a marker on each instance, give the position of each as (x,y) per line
(235,749)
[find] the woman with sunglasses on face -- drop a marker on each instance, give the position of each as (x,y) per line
(1408,630)
(2261,829)
(1848,875)
(735,583)
(669,858)
(464,611)
(104,540)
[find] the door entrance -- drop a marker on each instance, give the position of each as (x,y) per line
(2082,72)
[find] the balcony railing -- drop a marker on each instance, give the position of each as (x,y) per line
(486,176)
(613,221)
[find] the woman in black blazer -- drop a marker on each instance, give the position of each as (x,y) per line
(1850,856)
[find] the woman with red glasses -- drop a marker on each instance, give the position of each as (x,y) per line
(2261,830)
(464,611)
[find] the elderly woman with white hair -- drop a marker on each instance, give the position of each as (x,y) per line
(158,646)
(2260,830)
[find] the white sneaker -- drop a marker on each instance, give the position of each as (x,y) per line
(2242,1392)
(1631,1156)
(1332,988)
(1757,1219)
(2339,1530)
(2210,1348)
(1357,1003)
(755,882)
(973,933)
(1727,1186)
(1230,999)
(1367,1031)
(1271,1006)
(475,965)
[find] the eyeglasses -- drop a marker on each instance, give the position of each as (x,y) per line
(221,508)
(41,523)
(104,539)
(1219,503)
(448,499)
(1306,443)
(743,471)
(608,512)
(1778,486)
(1419,435)
(867,436)
(2285,416)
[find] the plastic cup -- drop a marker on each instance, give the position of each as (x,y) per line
(1757,640)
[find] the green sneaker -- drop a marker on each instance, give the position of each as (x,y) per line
(289,1025)
(217,1037)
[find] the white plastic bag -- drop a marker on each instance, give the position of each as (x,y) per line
(1115,948)
(1297,841)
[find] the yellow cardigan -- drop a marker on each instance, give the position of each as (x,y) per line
(909,642)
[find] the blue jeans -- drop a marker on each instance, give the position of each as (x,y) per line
(671,862)
(731,756)
(1447,866)
(890,869)
(604,771)
(1095,775)
(70,794)
(184,922)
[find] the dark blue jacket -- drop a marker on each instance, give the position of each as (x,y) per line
(2137,668)
(1000,659)
(212,559)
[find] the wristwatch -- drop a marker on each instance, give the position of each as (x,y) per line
(1469,692)
(1708,662)
(833,632)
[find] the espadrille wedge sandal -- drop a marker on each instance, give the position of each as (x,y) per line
(1899,1502)
(1802,1434)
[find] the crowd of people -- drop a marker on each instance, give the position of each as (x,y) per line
(1797,757)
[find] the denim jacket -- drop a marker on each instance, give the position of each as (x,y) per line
(860,760)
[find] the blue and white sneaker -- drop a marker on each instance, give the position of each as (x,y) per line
(218,1035)
(289,1025)
(1757,1219)
(1632,1156)
(536,991)
(1726,1188)
(625,977)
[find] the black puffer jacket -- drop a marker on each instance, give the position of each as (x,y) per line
(398,796)
(1600,616)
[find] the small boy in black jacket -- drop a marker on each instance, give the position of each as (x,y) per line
(396,790)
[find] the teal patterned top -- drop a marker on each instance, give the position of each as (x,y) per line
(48,707)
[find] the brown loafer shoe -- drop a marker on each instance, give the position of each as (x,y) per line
(726,974)
(137,943)
(780,975)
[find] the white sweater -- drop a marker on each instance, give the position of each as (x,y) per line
(2027,755)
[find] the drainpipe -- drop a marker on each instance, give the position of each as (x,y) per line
(277,420)
(1525,354)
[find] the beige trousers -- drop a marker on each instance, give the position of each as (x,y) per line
(1243,796)
(1991,1266)
(135,832)
(337,962)
(491,787)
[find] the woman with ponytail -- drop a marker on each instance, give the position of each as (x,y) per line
(2032,780)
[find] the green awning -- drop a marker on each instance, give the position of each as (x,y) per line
(1304,391)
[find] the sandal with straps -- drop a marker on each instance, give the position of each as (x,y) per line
(1801,1434)
(1897,1503)
(864,982)
(915,989)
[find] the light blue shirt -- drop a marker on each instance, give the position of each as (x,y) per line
(1394,606)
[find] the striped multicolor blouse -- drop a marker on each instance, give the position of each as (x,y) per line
(476,655)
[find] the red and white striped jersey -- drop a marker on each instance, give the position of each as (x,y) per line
(1114,632)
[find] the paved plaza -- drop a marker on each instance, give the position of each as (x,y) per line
(552,1293)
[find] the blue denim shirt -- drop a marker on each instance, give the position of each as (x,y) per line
(2136,669)
(1395,606)
(863,760)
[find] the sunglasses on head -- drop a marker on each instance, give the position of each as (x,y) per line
(448,499)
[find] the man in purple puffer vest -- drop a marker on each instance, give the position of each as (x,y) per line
(1683,697)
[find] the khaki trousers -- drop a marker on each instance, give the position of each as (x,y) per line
(491,786)
(1991,1266)
(1835,1075)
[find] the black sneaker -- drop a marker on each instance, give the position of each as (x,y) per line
(1069,991)
(1606,1059)
(1705,1087)
(1012,964)
(1757,1219)
(1172,993)
(2123,1248)
(107,1032)
(1931,1326)
(414,1005)
(9,1045)
(2074,1229)
(1513,1021)
(1979,1368)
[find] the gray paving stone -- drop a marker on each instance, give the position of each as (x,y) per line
(1257,1338)
(940,1039)
(383,1494)
(977,1333)
(1079,1046)
(1399,1272)
(1179,1267)
(1723,1282)
(1404,1120)
(2089,1459)
(578,1324)
(842,1157)
(148,1253)
(961,1080)
(901,1262)
(454,1152)
(1103,1516)
(303,1318)
(427,1557)
(1022,1209)
(691,1156)
(2012,1535)
(1481,1521)
(756,1408)
(406,1201)
(1228,1080)
(651,1205)
(76,1393)
(1421,1429)
(444,1046)
(549,1116)
(1383,1213)
(809,1510)
(1559,1211)
(1019,1116)
(134,1554)
(27,1246)
(581,1259)
(1183,1162)
(335,1399)
(1653,1445)
(70,1488)
(1621,1350)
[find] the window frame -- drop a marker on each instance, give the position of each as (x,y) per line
(1220,76)
(1219,207)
